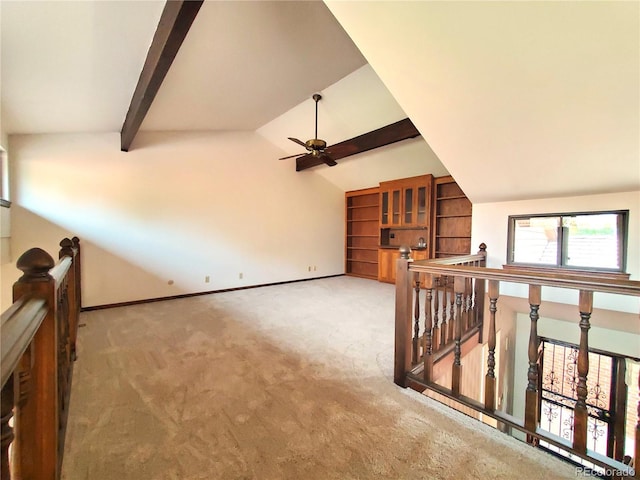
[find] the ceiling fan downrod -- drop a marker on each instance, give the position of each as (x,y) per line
(316,97)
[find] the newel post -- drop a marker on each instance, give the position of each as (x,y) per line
(480,287)
(404,294)
(77,267)
(39,445)
(67,249)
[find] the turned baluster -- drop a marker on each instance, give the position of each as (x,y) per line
(580,416)
(444,325)
(436,314)
(490,378)
(531,394)
(469,301)
(416,319)
(452,311)
(456,374)
(6,431)
(428,328)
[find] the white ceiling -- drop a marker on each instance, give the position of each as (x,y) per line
(518,99)
(72,66)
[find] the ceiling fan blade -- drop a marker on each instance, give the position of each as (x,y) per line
(299,142)
(327,159)
(291,156)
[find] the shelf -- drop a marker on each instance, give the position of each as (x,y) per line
(363,220)
(453,216)
(362,206)
(451,197)
(403,228)
(362,236)
(375,249)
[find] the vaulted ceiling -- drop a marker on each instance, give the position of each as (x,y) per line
(517,99)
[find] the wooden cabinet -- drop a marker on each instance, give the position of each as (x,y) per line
(387,262)
(405,202)
(451,232)
(361,243)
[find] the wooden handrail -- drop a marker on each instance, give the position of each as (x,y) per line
(563,280)
(19,326)
(59,271)
(38,348)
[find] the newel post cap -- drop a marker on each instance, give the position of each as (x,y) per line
(35,264)
(405,252)
(66,248)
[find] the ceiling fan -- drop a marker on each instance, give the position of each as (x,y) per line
(315,146)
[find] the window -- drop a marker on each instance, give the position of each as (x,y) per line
(591,240)
(4,179)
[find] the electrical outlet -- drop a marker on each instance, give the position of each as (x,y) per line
(315,268)
(240,275)
(170,282)
(207,279)
(309,268)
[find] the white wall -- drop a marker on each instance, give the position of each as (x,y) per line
(179,206)
(490,225)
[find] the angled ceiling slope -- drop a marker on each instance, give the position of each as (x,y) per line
(517,99)
(245,63)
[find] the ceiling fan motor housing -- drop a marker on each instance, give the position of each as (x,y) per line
(316,144)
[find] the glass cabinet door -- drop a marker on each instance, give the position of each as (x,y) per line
(422,206)
(384,208)
(408,206)
(395,207)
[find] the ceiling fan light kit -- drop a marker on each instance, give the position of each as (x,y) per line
(315,145)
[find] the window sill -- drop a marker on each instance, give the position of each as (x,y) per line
(583,271)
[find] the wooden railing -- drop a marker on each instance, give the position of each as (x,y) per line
(453,310)
(38,349)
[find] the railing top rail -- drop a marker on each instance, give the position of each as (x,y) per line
(59,271)
(458,259)
(19,326)
(576,281)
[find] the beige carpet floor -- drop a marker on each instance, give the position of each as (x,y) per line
(283,382)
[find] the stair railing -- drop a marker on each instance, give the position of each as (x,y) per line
(453,310)
(38,345)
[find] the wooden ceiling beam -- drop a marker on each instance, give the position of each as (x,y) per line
(392,133)
(175,21)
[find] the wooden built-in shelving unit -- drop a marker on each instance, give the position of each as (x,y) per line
(430,215)
(361,244)
(451,232)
